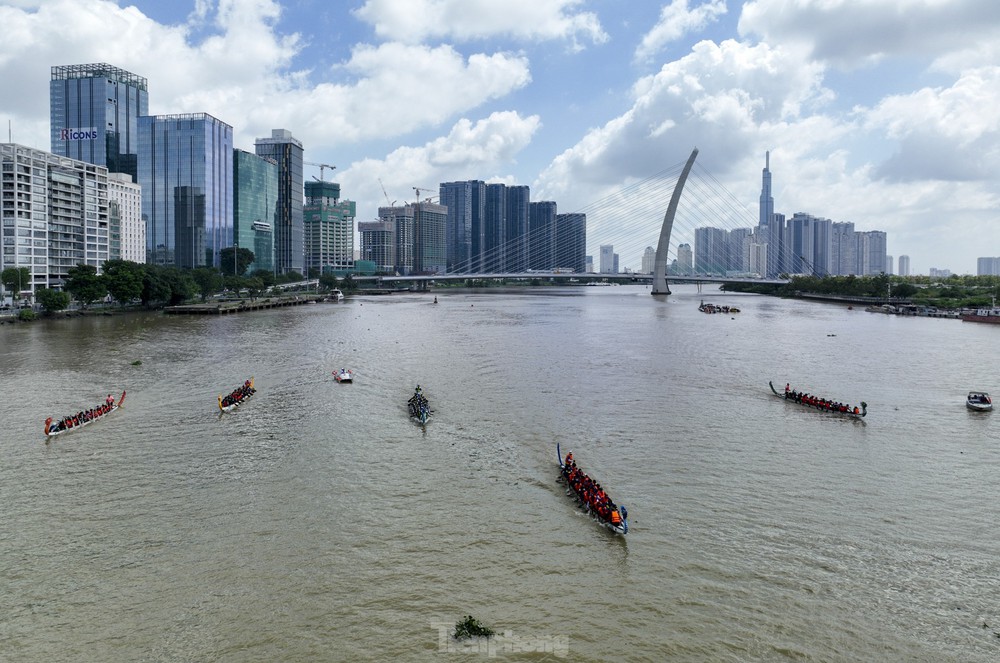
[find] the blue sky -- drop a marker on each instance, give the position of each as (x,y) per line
(879,112)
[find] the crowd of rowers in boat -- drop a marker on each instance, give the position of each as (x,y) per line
(83,417)
(417,402)
(821,403)
(239,394)
(591,493)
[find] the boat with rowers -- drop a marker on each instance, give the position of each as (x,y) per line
(821,404)
(81,419)
(979,401)
(344,376)
(239,396)
(418,406)
(591,496)
(716,308)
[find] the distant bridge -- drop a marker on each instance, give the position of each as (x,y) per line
(422,282)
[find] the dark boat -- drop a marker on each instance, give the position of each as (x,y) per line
(612,516)
(73,422)
(821,404)
(419,407)
(240,395)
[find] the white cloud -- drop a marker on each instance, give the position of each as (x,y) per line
(851,33)
(485,146)
(677,20)
(463,20)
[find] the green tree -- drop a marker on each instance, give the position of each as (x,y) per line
(84,283)
(209,281)
(349,284)
(155,286)
(15,279)
(52,300)
(244,258)
(266,277)
(182,285)
(123,279)
(328,281)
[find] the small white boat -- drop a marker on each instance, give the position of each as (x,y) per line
(979,401)
(344,375)
(336,295)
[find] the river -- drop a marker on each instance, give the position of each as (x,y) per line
(318,523)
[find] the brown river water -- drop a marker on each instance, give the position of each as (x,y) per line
(318,523)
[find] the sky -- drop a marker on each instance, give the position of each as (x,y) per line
(884,113)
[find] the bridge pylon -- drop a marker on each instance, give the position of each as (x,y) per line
(660,286)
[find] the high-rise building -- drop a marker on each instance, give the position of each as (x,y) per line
(518,211)
(711,250)
(55,214)
(126,227)
(255,206)
(542,235)
(289,239)
(494,250)
(843,249)
(459,199)
(648,260)
(777,246)
(685,260)
(329,229)
(801,247)
(571,242)
(429,245)
(739,250)
(984,266)
(888,264)
(766,200)
(607,259)
(904,265)
(757,257)
(186,173)
(94,112)
(378,243)
(822,247)
(588,264)
(400,220)
(871,252)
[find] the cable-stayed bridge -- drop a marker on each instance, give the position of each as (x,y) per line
(663,214)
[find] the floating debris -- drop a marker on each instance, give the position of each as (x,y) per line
(471,628)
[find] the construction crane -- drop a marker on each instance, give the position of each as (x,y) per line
(418,189)
(393,203)
(321,167)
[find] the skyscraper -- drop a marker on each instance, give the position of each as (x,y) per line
(127,230)
(94,112)
(378,243)
(648,260)
(843,249)
(904,266)
(988,266)
(289,241)
(494,251)
(607,259)
(255,205)
(871,252)
(571,242)
(458,198)
(399,220)
(186,171)
(518,206)
(542,235)
(766,200)
(429,248)
(685,260)
(711,250)
(329,229)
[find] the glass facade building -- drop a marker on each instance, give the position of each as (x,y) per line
(255,207)
(571,241)
(186,174)
(542,235)
(289,232)
(94,112)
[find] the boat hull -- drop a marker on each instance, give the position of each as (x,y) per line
(56,433)
(979,407)
(852,415)
(233,406)
(620,530)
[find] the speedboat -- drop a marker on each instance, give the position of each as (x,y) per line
(343,376)
(979,401)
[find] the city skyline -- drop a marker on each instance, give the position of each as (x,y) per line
(895,134)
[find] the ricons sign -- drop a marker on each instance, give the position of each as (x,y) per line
(90,133)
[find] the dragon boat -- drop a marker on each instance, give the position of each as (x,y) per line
(821,404)
(586,492)
(240,395)
(81,419)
